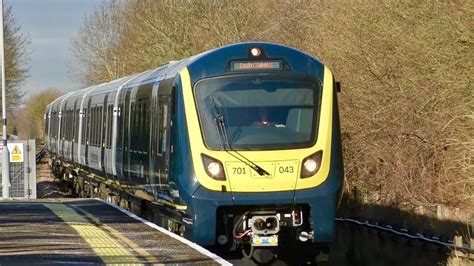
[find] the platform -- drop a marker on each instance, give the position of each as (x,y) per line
(89,231)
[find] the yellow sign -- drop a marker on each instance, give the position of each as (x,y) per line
(16,152)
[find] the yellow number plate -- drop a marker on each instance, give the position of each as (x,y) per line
(237,170)
(283,175)
(286,169)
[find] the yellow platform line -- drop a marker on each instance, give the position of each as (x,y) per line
(108,249)
(138,249)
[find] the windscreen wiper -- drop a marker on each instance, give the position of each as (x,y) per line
(225,140)
(222,131)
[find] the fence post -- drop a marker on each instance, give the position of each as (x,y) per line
(458,243)
(472,247)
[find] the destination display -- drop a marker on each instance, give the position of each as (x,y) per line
(257,65)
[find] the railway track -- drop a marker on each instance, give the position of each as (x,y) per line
(47,185)
(403,232)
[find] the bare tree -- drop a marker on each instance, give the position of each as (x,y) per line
(29,120)
(97,44)
(406,69)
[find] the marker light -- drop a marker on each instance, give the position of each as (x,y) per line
(213,167)
(311,164)
(255,51)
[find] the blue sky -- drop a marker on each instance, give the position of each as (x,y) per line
(50,25)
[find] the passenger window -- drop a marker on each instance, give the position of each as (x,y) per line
(140,126)
(85,125)
(110,110)
(145,128)
(94,126)
(155,124)
(163,126)
(97,126)
(100,128)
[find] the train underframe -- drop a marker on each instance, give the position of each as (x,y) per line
(261,232)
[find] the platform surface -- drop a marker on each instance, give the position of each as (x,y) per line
(88,231)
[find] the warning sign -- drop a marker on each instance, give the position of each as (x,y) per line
(16,152)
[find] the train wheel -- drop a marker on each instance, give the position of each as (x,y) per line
(77,189)
(83,193)
(123,203)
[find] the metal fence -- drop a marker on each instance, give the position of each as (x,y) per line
(22,169)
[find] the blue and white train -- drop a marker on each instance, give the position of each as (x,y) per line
(237,147)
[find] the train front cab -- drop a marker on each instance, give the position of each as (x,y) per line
(256,195)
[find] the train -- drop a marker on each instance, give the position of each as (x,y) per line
(238,147)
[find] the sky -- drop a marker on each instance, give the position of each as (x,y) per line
(50,26)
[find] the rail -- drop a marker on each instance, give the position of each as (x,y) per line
(405,233)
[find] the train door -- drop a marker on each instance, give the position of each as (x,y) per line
(126,136)
(75,119)
(107,160)
(119,112)
(62,128)
(46,127)
(87,130)
(103,129)
(140,134)
(154,120)
(160,138)
(68,122)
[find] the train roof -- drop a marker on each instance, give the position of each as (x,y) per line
(205,61)
(210,63)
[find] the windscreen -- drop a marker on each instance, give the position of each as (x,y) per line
(262,112)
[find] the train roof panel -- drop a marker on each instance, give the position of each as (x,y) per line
(213,63)
(217,62)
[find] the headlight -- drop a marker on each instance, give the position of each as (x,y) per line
(311,164)
(213,167)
